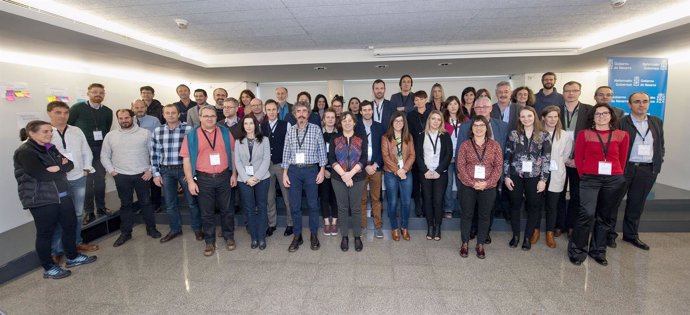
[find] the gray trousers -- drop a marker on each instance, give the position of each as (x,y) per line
(276,173)
(348,199)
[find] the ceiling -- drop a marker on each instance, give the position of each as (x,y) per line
(495,20)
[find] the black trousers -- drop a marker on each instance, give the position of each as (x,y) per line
(596,192)
(528,188)
(329,205)
(46,219)
(483,201)
(417,194)
(639,180)
(156,196)
(214,192)
(566,215)
(433,191)
(551,209)
(126,186)
(95,183)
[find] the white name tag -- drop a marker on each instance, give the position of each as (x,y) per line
(644,149)
(250,170)
(553,166)
(605,168)
(479,172)
(97,135)
(400,164)
(214,159)
(328,146)
(300,158)
(527,167)
(69,156)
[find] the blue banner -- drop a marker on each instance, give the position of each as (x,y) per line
(649,75)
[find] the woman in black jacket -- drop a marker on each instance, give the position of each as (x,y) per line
(434,150)
(41,173)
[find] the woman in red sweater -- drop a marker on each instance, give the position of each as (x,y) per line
(600,156)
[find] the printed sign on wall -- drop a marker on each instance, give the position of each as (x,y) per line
(649,75)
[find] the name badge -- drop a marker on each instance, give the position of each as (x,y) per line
(605,168)
(553,166)
(250,170)
(214,159)
(479,172)
(328,146)
(69,156)
(97,135)
(400,164)
(644,149)
(526,167)
(300,158)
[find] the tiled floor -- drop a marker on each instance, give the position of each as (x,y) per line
(416,277)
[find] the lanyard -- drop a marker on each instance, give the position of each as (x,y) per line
(569,116)
(272,129)
(379,110)
(645,134)
(434,144)
(529,143)
(608,143)
(212,145)
(300,143)
(347,161)
(398,146)
(479,157)
(62,137)
(455,128)
(93,113)
(250,146)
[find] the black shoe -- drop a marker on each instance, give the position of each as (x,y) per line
(296,242)
(429,232)
(262,245)
(514,241)
(526,244)
(88,218)
(358,244)
(488,239)
(600,260)
(473,234)
(611,243)
(255,244)
(575,261)
(315,245)
(437,235)
(153,233)
(170,236)
(288,231)
(637,243)
(344,243)
(122,239)
(270,230)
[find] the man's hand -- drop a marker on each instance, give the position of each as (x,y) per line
(158,181)
(147,176)
(320,176)
(370,169)
(233,179)
(193,188)
(286,180)
(113,173)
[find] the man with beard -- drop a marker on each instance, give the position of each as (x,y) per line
(219,95)
(383,109)
(367,127)
(548,95)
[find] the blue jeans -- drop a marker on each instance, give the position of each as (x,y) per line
(304,179)
(171,177)
(78,192)
(398,187)
(450,199)
(255,204)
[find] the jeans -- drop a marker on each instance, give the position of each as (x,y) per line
(374,182)
(432,192)
(46,218)
(254,201)
(483,201)
(214,192)
(349,202)
(398,187)
(126,186)
(450,198)
(95,183)
(171,177)
(528,188)
(77,189)
(304,178)
(276,175)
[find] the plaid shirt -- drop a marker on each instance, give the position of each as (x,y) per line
(165,146)
(313,147)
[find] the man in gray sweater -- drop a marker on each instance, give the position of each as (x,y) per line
(125,155)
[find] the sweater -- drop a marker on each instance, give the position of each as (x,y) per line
(126,151)
(88,119)
(589,152)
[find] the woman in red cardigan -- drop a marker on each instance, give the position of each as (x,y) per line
(601,154)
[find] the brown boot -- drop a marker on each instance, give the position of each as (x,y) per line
(396,234)
(550,241)
(406,234)
(535,236)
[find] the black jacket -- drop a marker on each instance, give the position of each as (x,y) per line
(36,186)
(446,153)
(656,129)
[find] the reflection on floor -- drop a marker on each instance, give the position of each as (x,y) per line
(420,276)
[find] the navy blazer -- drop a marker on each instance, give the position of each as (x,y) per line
(377,132)
(399,101)
(514,114)
(499,129)
(388,110)
(276,139)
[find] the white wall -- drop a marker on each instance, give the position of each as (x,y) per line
(268,89)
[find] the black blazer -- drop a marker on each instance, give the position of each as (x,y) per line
(656,129)
(446,153)
(514,114)
(416,122)
(276,139)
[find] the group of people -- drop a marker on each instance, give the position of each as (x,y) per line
(448,154)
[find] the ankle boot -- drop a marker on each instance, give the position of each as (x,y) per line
(550,241)
(429,232)
(437,235)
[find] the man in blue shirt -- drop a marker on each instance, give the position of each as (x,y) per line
(548,95)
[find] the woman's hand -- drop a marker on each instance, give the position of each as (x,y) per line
(509,184)
(541,186)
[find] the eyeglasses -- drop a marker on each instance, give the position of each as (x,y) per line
(602,114)
(479,126)
(607,94)
(571,91)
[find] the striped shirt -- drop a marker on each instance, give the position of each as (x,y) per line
(165,146)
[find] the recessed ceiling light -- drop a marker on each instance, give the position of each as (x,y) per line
(182,23)
(381,66)
(319,68)
(445,64)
